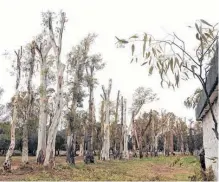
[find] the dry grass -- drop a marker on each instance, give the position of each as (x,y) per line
(160,168)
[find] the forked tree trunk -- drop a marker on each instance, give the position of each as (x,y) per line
(7,163)
(57,47)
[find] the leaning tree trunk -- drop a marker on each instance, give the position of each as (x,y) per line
(29,107)
(58,109)
(7,163)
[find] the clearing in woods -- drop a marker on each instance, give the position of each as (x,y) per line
(156,168)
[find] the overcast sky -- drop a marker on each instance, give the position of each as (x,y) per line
(21,19)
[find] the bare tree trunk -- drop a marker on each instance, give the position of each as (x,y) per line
(70,149)
(133,133)
(81,153)
(7,163)
(171,142)
(25,143)
(181,140)
(125,134)
(89,155)
(54,126)
(106,142)
(43,109)
(122,133)
(116,118)
(102,118)
(29,107)
(164,144)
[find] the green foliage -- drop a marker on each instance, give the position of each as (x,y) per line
(192,101)
(170,57)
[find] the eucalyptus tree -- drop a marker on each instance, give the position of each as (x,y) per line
(42,46)
(93,64)
(55,39)
(141,96)
(174,61)
(141,126)
(7,162)
(77,59)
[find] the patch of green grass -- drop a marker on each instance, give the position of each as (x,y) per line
(149,169)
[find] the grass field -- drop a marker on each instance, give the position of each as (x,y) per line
(149,169)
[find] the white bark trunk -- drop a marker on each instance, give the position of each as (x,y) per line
(106,141)
(7,163)
(59,106)
(43,110)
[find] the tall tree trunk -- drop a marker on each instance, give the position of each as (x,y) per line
(7,163)
(89,155)
(81,153)
(121,139)
(106,142)
(125,134)
(171,142)
(133,133)
(102,120)
(70,149)
(54,126)
(25,143)
(116,118)
(29,106)
(43,110)
(164,144)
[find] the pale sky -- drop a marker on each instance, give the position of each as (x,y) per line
(21,19)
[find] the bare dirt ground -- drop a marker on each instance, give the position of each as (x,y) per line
(159,168)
